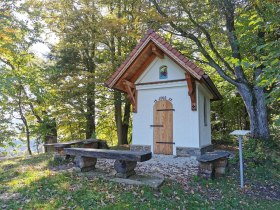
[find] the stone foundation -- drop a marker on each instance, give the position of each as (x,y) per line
(142,148)
(189,151)
(180,151)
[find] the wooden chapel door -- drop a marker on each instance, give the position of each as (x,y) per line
(163,127)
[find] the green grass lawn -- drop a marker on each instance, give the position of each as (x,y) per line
(32,184)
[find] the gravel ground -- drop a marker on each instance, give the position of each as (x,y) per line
(168,166)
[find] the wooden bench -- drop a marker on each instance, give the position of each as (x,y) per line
(125,160)
(213,164)
(59,147)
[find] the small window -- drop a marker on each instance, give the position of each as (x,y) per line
(163,74)
(205,111)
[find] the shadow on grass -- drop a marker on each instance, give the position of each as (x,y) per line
(23,161)
(64,190)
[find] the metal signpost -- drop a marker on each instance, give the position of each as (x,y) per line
(240,134)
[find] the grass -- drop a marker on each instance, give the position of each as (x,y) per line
(32,184)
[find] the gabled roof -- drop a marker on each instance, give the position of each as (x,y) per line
(145,52)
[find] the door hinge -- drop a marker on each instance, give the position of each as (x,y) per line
(165,110)
(156,125)
(164,142)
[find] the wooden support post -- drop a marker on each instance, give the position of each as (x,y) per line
(131,93)
(192,90)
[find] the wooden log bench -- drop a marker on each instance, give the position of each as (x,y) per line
(125,160)
(213,164)
(59,147)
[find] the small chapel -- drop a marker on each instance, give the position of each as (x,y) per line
(170,98)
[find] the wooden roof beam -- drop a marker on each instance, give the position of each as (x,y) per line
(130,84)
(158,52)
(143,67)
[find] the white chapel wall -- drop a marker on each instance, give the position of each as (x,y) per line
(151,74)
(204,130)
(185,121)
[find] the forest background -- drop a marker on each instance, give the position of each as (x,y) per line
(61,96)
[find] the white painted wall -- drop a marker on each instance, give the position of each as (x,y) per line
(188,125)
(185,121)
(151,74)
(204,131)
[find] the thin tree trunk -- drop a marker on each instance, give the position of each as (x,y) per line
(51,135)
(91,86)
(125,124)
(90,116)
(23,118)
(118,115)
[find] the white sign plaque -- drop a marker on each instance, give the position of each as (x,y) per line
(240,132)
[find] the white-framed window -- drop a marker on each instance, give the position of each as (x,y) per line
(205,111)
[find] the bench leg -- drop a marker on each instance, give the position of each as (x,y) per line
(220,167)
(60,154)
(85,163)
(125,168)
(206,170)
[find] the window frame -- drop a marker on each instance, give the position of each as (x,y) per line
(205,111)
(160,72)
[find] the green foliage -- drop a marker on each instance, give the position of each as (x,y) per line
(260,154)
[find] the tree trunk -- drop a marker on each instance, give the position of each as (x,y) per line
(91,86)
(125,124)
(118,115)
(254,100)
(51,136)
(27,132)
(90,116)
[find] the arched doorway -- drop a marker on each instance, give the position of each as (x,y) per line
(163,127)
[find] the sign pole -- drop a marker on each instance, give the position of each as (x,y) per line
(240,134)
(241,162)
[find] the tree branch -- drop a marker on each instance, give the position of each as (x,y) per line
(229,7)
(185,34)
(208,38)
(7,62)
(32,107)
